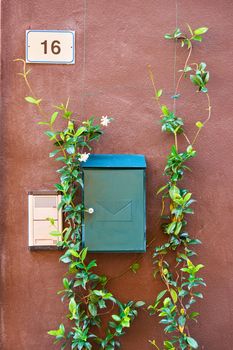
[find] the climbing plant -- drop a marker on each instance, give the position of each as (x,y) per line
(174,259)
(88,300)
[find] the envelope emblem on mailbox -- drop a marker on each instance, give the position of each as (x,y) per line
(110,210)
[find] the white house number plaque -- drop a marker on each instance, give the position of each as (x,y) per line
(50,46)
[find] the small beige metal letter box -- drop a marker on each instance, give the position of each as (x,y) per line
(41,206)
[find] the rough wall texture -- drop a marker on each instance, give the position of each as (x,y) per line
(115,41)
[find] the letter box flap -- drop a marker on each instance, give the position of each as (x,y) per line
(45,207)
(136,161)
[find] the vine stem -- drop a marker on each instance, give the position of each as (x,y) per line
(167,276)
(155,345)
(165,281)
(176,142)
(182,74)
(176,92)
(41,111)
(186,138)
(206,121)
(129,267)
(151,76)
(107,312)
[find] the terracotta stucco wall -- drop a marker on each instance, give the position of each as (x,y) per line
(115,41)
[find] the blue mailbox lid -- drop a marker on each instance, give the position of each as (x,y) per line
(136,161)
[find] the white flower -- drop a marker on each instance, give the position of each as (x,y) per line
(105,120)
(90,210)
(84,157)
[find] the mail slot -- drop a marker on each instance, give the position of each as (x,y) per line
(41,206)
(114,198)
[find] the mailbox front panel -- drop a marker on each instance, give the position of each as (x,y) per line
(118,199)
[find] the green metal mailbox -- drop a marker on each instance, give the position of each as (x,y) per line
(114,194)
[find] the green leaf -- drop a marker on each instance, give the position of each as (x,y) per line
(93,309)
(83,254)
(168,36)
(101,304)
(190,149)
(53,118)
(170,228)
(55,233)
(50,134)
(165,110)
(177,33)
(103,280)
(64,346)
(139,304)
(59,187)
(52,154)
(99,293)
(198,295)
(125,322)
(70,149)
(91,264)
(159,93)
(178,228)
(200,31)
(161,294)
(193,315)
(174,296)
(116,318)
(51,220)
(174,192)
(70,126)
(187,69)
(135,267)
(162,189)
(168,345)
(198,38)
(32,100)
(54,333)
(59,333)
(43,123)
(80,181)
(182,321)
(66,283)
(170,329)
(198,267)
(79,131)
(188,42)
(202,66)
(204,89)
(72,306)
(108,296)
(65,259)
(195,80)
(166,302)
(175,97)
(77,283)
(192,342)
(187,197)
(74,253)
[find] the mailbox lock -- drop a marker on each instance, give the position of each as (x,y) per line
(91,210)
